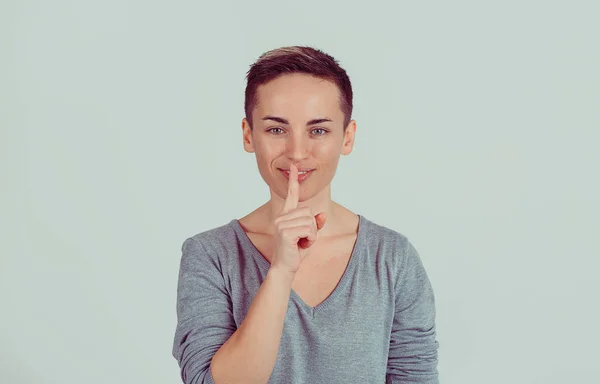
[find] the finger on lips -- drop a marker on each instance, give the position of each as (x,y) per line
(291,201)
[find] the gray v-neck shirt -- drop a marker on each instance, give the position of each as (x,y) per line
(377,326)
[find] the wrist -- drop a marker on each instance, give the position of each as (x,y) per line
(281,275)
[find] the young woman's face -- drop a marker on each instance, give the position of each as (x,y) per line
(298,120)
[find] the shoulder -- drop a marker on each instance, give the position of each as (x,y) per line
(382,236)
(401,256)
(392,245)
(215,246)
(213,236)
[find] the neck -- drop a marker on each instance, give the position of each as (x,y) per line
(317,204)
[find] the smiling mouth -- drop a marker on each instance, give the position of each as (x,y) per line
(301,175)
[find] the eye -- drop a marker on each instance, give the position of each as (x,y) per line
(321,129)
(271,129)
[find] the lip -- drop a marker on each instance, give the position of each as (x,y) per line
(299,170)
(301,178)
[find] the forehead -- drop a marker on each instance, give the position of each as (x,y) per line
(298,95)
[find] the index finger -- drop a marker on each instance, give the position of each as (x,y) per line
(291,201)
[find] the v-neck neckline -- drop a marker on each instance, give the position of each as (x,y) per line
(344,280)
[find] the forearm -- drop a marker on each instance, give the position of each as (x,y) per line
(249,354)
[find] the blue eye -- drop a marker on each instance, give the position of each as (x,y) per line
(269,130)
(316,129)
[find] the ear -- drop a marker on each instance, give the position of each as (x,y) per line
(247,136)
(349,138)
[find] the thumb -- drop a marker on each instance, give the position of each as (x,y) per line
(320,218)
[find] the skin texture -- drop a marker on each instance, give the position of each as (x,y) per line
(299,98)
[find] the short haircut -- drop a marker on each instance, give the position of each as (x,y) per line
(297,59)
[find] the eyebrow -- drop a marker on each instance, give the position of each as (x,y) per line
(281,120)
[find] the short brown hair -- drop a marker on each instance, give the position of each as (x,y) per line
(297,59)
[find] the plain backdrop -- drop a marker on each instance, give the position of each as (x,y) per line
(477,138)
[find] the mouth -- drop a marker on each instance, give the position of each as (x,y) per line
(301,175)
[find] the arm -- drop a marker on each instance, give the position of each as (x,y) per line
(207,342)
(413,348)
(249,355)
(204,314)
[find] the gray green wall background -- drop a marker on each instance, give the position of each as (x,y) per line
(478,131)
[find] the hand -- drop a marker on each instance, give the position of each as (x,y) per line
(296,229)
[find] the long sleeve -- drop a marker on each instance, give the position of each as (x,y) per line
(413,348)
(204,313)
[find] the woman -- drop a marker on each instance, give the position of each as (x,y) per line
(302,290)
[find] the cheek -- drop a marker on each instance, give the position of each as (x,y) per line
(326,152)
(267,160)
(264,151)
(268,147)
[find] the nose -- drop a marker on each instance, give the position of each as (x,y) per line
(297,148)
